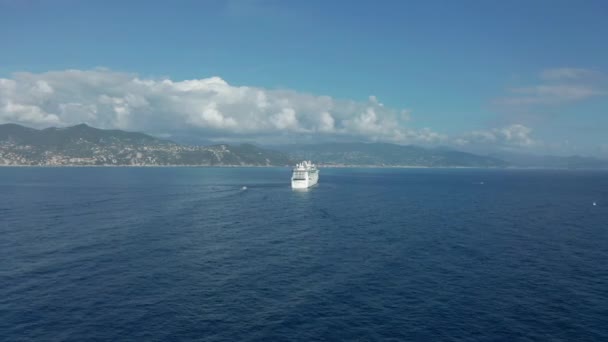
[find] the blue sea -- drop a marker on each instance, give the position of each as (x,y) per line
(189,254)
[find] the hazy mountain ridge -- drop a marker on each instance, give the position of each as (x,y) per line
(391,155)
(552,162)
(85,145)
(384,154)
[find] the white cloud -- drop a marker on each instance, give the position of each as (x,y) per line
(326,122)
(213,109)
(210,106)
(26,112)
(515,135)
(556,87)
(559,74)
(551,94)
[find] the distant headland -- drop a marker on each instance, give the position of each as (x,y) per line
(82,145)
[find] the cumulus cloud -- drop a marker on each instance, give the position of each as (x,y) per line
(512,136)
(209,106)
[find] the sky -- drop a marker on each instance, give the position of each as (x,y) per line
(480,76)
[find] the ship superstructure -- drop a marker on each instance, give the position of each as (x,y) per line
(305,175)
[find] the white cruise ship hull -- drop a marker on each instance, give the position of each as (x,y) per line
(305,175)
(304,183)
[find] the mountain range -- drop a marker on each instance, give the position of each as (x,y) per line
(85,145)
(384,154)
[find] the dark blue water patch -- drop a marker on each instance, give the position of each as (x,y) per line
(369,254)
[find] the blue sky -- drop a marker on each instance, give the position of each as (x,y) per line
(516,75)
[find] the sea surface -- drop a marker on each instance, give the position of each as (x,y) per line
(176,254)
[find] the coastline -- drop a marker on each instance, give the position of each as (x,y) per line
(321,166)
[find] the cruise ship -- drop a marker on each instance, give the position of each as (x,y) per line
(305,175)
